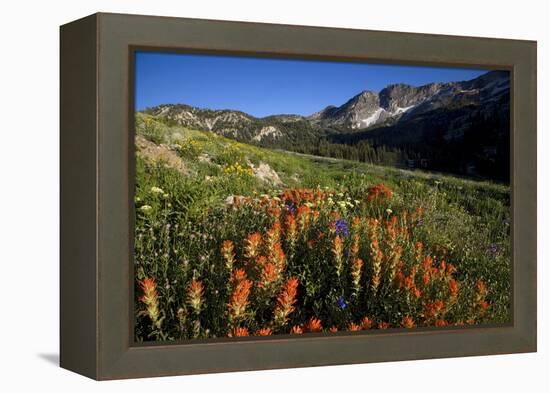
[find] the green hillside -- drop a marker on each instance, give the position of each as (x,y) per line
(196,189)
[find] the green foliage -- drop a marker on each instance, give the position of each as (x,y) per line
(182,221)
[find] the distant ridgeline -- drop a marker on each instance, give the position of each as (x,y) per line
(461,128)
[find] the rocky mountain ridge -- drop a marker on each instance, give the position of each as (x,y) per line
(395,103)
(457,127)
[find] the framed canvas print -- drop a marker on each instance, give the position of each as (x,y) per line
(240,196)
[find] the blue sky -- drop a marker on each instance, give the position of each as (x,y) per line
(263,86)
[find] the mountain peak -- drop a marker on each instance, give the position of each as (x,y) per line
(395,102)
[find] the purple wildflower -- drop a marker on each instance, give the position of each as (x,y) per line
(342,227)
(492,250)
(341,303)
(291,208)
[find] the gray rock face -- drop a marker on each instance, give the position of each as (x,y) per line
(393,104)
(395,97)
(398,101)
(361,110)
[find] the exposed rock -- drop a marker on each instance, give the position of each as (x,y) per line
(265,173)
(155,154)
(268,131)
(203,157)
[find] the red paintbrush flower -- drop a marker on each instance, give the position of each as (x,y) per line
(239,298)
(195,293)
(252,245)
(408,322)
(379,192)
(296,330)
(356,269)
(338,251)
(383,325)
(285,301)
(291,229)
(238,332)
(263,332)
(453,288)
(150,299)
(366,323)
(313,325)
(228,253)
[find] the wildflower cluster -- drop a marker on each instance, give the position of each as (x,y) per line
(238,170)
(306,261)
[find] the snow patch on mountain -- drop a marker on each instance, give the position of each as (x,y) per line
(400,110)
(372,119)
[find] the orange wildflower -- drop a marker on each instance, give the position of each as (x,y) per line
(333,329)
(451,268)
(395,258)
(269,273)
(239,332)
(375,253)
(301,195)
(195,293)
(296,330)
(481,305)
(286,301)
(273,236)
(426,279)
(291,229)
(356,268)
(383,325)
(302,215)
(151,299)
(419,213)
(313,325)
(252,245)
(315,215)
(353,327)
(277,256)
(379,191)
(354,245)
(239,299)
(419,248)
(263,332)
(356,224)
(366,323)
(453,287)
(273,212)
(338,251)
(408,322)
(441,323)
(481,289)
(228,253)
(391,230)
(432,310)
(237,275)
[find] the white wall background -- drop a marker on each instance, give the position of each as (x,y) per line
(29,194)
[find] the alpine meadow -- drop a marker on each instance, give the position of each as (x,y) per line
(389,209)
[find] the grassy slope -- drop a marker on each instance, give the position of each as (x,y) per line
(468,219)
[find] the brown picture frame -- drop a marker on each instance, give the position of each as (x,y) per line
(97,200)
